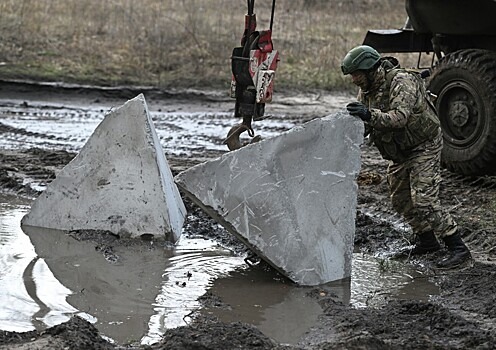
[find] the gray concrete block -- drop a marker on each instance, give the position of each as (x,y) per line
(119,182)
(291,198)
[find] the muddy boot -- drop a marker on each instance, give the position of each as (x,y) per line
(458,252)
(427,243)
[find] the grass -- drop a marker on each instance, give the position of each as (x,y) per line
(181,43)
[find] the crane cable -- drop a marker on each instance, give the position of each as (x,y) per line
(251,9)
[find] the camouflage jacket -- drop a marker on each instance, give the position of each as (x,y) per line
(402,116)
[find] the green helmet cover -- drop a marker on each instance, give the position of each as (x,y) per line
(359,58)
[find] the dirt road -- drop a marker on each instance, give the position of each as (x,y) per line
(462,316)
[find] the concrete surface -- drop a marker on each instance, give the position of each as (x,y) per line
(119,182)
(291,198)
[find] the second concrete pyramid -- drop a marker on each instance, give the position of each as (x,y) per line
(119,182)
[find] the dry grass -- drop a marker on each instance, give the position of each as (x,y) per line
(182,43)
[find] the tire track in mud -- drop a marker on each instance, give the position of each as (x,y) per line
(7,129)
(40,125)
(478,182)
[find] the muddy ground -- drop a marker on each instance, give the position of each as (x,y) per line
(462,316)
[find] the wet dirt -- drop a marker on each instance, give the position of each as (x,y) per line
(459,313)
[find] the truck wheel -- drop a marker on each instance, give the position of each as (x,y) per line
(465,84)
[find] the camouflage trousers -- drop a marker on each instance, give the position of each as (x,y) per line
(414,189)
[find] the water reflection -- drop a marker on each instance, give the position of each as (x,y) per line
(148,285)
(147,291)
(151,289)
(374,281)
(280,309)
(31,297)
(285,312)
(193,268)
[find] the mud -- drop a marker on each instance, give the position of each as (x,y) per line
(461,316)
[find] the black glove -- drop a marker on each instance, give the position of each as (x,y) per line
(358,109)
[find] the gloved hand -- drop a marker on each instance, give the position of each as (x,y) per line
(358,109)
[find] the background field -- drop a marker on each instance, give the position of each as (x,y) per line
(181,43)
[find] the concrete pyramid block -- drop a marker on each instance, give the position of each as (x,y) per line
(119,182)
(291,198)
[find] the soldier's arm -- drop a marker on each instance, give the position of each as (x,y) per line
(402,99)
(368,127)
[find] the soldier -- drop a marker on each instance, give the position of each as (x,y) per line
(403,124)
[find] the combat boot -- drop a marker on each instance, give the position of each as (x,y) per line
(458,252)
(427,243)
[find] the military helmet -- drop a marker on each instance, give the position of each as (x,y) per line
(360,58)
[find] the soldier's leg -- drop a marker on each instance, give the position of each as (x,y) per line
(425,180)
(402,201)
(401,197)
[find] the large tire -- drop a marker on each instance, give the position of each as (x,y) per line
(465,84)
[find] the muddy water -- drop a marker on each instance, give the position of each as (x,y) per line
(285,312)
(46,276)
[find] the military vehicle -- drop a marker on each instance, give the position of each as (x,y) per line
(461,36)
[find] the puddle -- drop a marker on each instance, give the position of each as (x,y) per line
(285,312)
(375,280)
(49,277)
(259,297)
